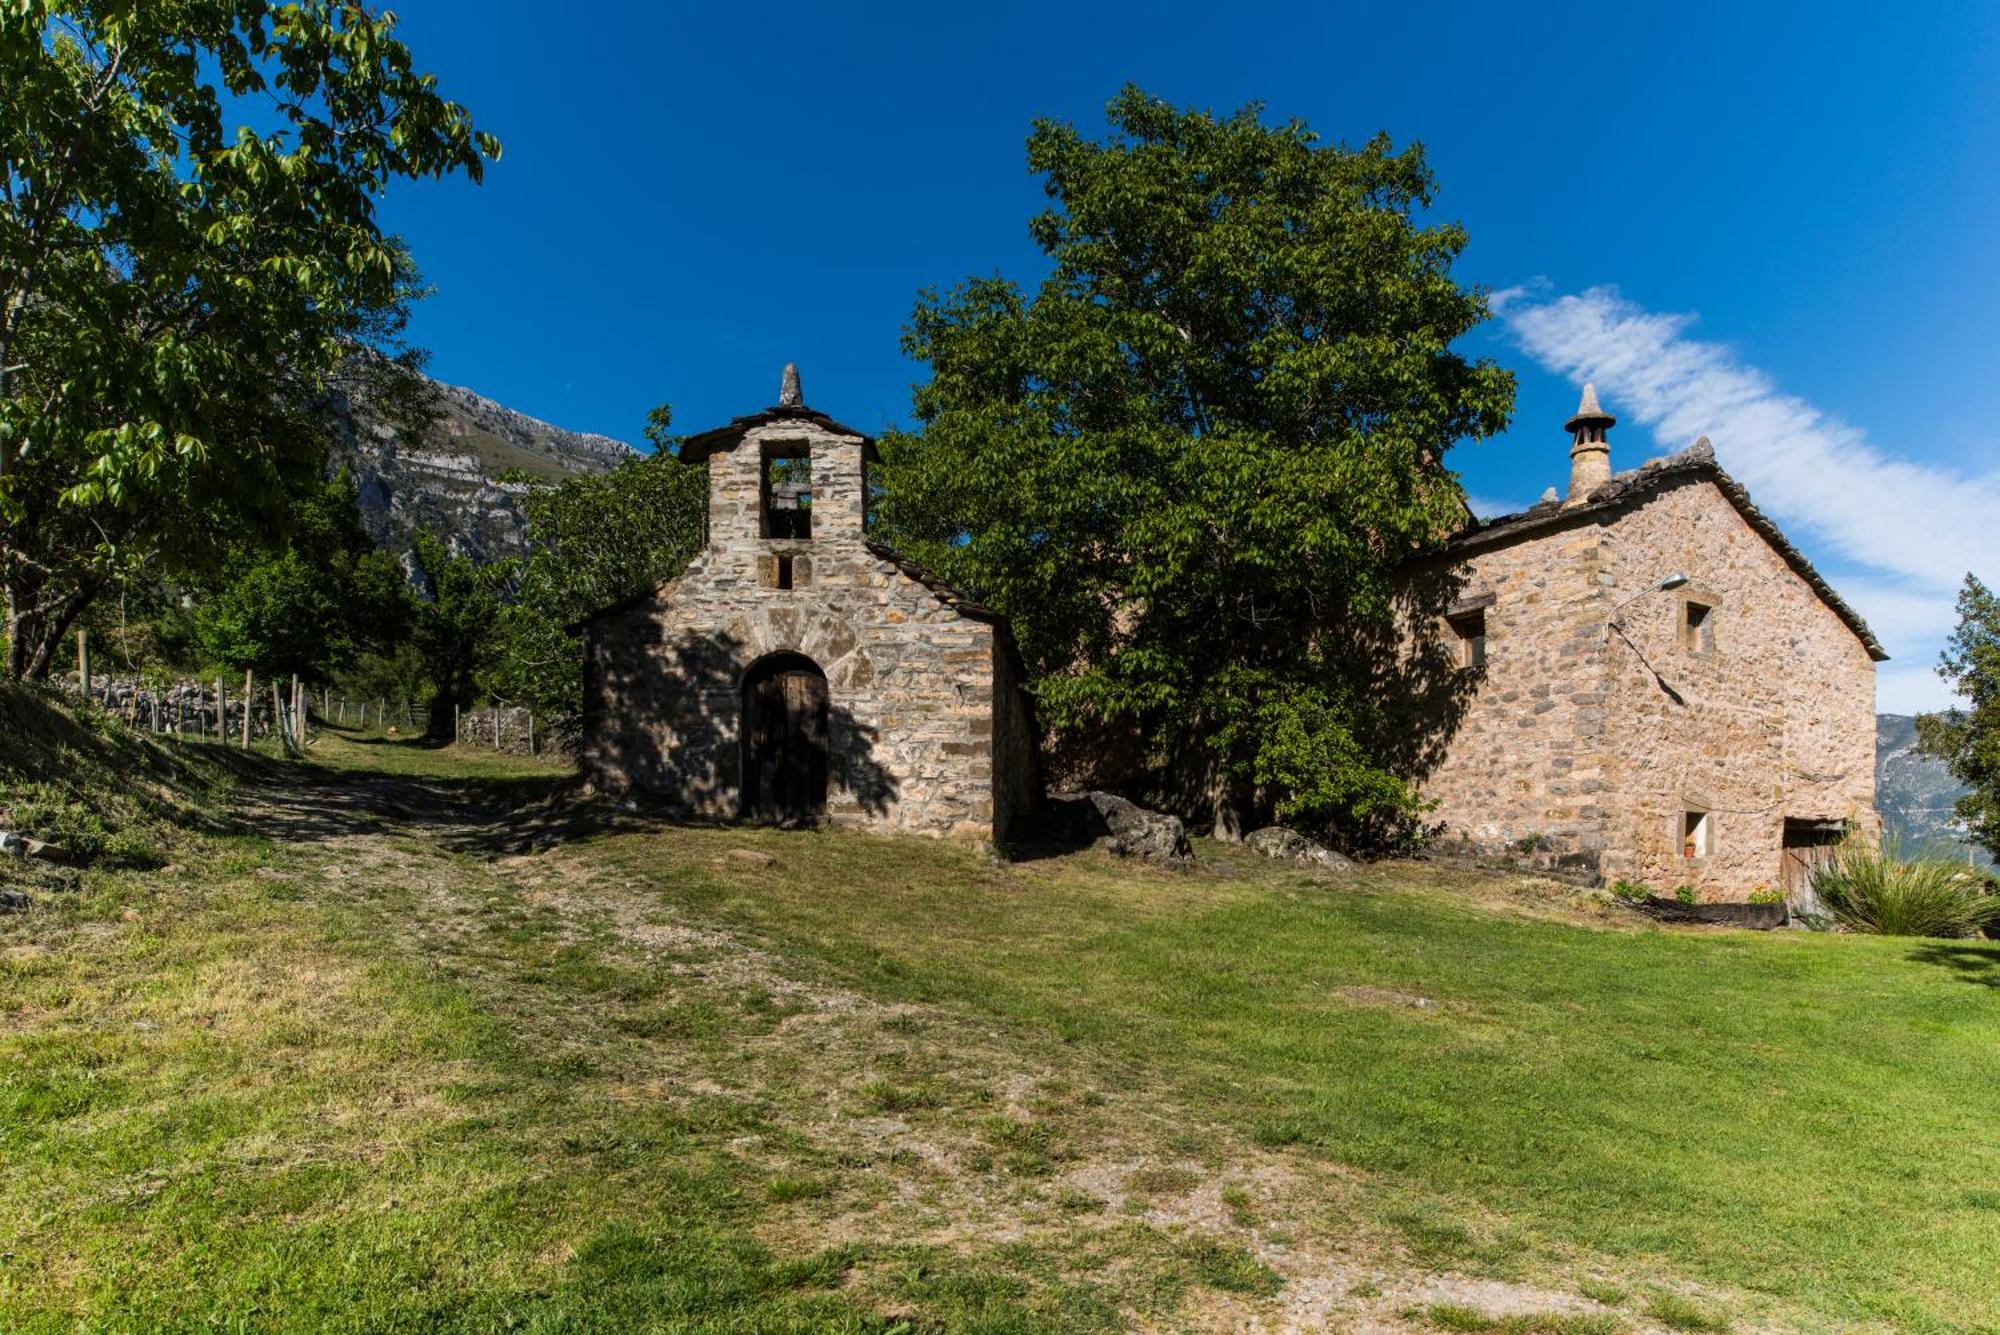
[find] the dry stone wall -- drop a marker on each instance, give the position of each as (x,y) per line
(1523,772)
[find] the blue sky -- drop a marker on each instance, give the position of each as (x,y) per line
(1774,228)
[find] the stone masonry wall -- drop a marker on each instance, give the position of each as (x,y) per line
(920,737)
(1777,719)
(1581,748)
(1523,770)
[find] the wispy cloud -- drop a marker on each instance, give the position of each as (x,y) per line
(1905,533)
(1805,466)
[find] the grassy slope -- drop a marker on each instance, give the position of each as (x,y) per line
(1806,1115)
(320,1080)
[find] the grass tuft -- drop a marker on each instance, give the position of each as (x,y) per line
(1677,1313)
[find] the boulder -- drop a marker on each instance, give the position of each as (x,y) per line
(1275,841)
(13,901)
(1107,821)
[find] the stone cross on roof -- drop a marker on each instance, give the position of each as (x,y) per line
(788,390)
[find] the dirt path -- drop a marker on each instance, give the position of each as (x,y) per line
(917,1124)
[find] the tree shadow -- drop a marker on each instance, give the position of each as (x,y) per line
(1978,965)
(662,725)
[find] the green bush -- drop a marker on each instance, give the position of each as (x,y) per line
(1871,889)
(1765,894)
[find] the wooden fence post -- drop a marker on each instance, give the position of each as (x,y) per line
(249,699)
(83,660)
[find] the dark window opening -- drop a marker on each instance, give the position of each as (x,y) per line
(785,490)
(1698,628)
(1470,630)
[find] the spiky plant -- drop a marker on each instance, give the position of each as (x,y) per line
(1871,888)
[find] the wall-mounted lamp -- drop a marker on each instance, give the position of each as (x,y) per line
(1674,581)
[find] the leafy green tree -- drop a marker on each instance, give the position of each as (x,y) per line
(1968,739)
(454,625)
(1187,464)
(315,604)
(178,298)
(596,540)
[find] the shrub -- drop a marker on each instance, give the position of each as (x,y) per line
(1684,893)
(1631,890)
(1765,894)
(1871,889)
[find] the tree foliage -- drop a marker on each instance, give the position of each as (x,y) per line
(1188,463)
(453,624)
(177,295)
(311,606)
(1968,739)
(595,541)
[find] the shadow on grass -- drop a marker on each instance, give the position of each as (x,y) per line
(1978,965)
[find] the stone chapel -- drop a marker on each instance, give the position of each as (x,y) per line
(798,673)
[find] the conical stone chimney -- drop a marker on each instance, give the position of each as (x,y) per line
(1589,452)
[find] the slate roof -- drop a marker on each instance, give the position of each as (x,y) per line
(943,592)
(696,449)
(1693,464)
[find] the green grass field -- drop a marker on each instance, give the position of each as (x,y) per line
(360,1062)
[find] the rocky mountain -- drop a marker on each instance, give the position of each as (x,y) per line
(449,481)
(1914,793)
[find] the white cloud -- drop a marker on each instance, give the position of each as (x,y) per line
(1486,507)
(1902,534)
(1806,467)
(1910,688)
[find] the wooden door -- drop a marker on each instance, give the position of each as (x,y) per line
(1808,845)
(785,769)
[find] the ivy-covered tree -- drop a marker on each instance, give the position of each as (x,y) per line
(595,540)
(179,294)
(1187,464)
(1968,739)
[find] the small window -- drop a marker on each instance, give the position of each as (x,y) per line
(785,490)
(776,571)
(1697,834)
(1698,628)
(1469,629)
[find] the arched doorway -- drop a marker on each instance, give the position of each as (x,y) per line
(784,740)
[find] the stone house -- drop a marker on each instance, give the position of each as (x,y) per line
(798,673)
(1647,682)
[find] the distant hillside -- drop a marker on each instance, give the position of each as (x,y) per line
(1914,793)
(447,483)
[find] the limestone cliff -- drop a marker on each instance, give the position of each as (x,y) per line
(449,481)
(1915,793)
